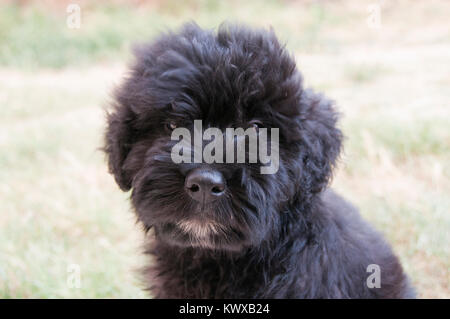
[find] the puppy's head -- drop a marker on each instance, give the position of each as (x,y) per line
(235,78)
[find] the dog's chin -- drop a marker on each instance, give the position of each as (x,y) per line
(201,234)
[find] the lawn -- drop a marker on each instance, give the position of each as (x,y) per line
(60,207)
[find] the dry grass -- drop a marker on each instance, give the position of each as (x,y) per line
(59,206)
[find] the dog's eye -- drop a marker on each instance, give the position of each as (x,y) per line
(171,126)
(256,124)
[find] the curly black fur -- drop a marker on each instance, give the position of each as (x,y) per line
(281,236)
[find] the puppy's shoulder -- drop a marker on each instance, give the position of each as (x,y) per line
(347,221)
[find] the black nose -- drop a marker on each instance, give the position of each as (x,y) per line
(205,185)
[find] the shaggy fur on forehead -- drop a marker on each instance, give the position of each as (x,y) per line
(240,66)
(282,235)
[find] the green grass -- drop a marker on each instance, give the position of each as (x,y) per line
(59,206)
(31,37)
(34,36)
(54,208)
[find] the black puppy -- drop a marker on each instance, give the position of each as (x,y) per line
(224,230)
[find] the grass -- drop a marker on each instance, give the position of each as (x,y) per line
(60,207)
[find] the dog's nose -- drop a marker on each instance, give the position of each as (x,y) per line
(205,185)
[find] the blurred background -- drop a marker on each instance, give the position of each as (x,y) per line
(385,63)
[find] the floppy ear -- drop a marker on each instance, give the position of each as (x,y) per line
(321,140)
(118,141)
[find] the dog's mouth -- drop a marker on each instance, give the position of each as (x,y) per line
(200,229)
(200,233)
(193,232)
